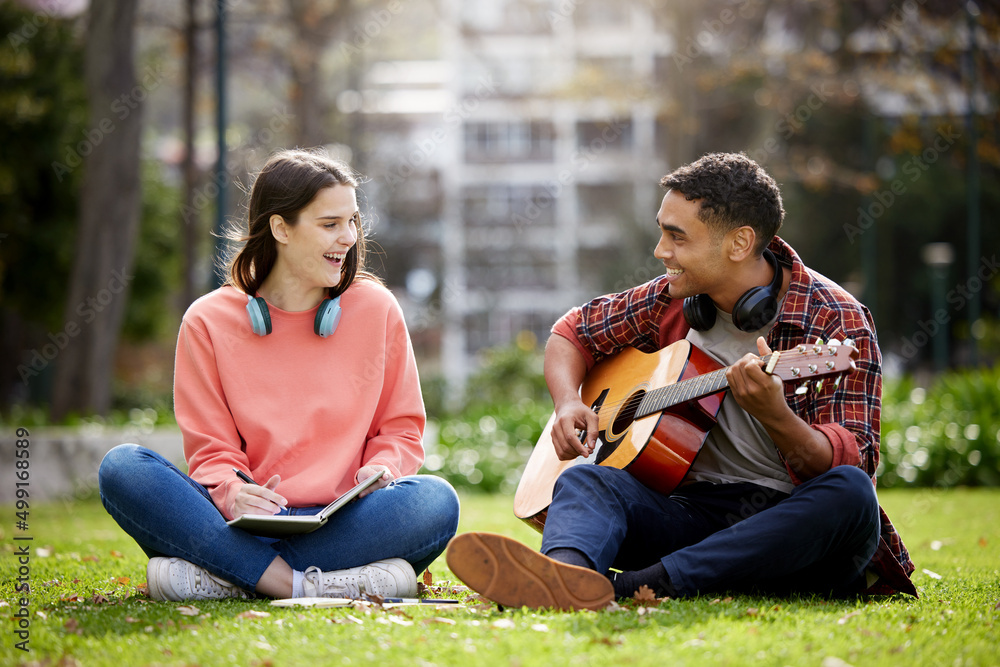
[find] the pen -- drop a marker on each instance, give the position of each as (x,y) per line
(245,477)
(419,601)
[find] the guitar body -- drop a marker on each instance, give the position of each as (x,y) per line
(657,449)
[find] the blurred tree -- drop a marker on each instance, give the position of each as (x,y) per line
(43,103)
(109,212)
(313,24)
(859,110)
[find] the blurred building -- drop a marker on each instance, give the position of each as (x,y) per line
(516,176)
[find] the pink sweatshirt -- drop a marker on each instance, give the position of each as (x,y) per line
(310,409)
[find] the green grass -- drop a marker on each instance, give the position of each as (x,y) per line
(85,608)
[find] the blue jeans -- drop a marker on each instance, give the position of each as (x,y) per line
(716,537)
(169,514)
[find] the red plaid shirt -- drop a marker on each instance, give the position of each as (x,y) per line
(815,308)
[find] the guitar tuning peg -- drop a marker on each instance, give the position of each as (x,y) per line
(849,342)
(802,389)
(819,385)
(834,342)
(819,341)
(836,383)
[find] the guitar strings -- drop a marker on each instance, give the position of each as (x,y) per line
(682,387)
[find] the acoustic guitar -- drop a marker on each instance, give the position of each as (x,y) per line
(655,410)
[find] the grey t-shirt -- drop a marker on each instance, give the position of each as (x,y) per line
(738,448)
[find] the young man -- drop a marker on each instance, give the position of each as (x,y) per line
(781,497)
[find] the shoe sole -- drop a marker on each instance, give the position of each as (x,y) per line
(513,575)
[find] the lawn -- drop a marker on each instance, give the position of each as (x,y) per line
(87,608)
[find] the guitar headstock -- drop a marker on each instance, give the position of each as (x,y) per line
(817,361)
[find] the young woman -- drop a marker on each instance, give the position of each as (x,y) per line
(298,372)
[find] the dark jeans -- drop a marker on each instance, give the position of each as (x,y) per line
(169,514)
(716,537)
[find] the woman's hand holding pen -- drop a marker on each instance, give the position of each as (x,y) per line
(255,499)
(367,471)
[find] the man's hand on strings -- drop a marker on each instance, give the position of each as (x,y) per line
(757,392)
(574,432)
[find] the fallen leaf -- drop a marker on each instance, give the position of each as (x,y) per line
(53,582)
(98,599)
(90,559)
(982,542)
(253,613)
(116,554)
(752,611)
(608,641)
(188,610)
(428,577)
(715,601)
(932,575)
(73,626)
(394,619)
(123,580)
(437,620)
(843,619)
(833,661)
(129,619)
(644,594)
(71,598)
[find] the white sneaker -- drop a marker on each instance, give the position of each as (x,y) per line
(388,578)
(177,579)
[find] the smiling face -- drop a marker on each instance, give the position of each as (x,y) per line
(691,252)
(312,250)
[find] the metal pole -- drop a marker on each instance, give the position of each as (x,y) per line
(221,174)
(869,239)
(972,191)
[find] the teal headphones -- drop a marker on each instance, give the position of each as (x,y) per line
(327,317)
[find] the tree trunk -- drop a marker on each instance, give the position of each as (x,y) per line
(191,218)
(109,213)
(313,23)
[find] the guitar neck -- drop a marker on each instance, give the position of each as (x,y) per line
(660,399)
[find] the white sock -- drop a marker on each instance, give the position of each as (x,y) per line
(297,578)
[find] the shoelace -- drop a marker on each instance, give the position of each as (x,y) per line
(348,589)
(208,584)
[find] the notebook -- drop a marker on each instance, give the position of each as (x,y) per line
(294,524)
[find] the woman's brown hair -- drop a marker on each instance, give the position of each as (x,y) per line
(284,186)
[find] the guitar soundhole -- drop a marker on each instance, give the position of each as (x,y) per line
(623,420)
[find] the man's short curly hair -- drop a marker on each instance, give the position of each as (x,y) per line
(734,191)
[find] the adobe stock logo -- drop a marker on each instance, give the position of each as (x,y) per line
(914,168)
(958,297)
(87,310)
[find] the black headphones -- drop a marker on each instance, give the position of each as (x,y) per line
(752,310)
(327,317)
